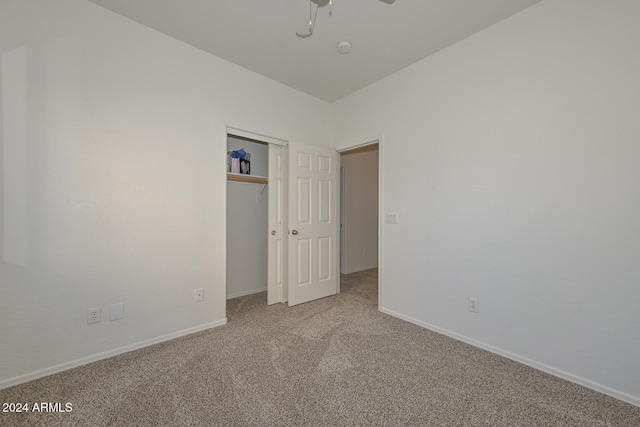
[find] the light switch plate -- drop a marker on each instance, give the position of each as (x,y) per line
(391,218)
(116,311)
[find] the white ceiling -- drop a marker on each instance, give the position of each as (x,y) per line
(260,34)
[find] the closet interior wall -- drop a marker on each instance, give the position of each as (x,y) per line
(247,215)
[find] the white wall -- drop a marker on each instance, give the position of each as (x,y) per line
(360,209)
(526,195)
(113,180)
(247,231)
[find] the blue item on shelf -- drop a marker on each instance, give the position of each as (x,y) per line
(239,154)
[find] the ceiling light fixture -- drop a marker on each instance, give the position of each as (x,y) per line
(313,16)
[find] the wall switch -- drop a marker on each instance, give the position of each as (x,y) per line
(199,294)
(93,315)
(116,311)
(474,305)
(391,218)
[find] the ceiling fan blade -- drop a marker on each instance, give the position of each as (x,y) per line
(319,4)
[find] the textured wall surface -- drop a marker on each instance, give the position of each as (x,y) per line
(114,180)
(526,195)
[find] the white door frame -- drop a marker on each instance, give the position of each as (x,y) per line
(233,131)
(380,141)
(343,181)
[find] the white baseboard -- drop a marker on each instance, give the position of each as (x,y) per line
(245,293)
(521,359)
(106,354)
(357,269)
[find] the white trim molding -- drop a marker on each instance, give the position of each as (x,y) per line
(245,293)
(525,361)
(256,136)
(360,268)
(106,354)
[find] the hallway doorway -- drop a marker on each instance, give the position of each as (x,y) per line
(359,209)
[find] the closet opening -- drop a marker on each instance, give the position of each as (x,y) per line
(247,216)
(282,219)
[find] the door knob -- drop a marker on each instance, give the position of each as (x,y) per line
(273,232)
(294,232)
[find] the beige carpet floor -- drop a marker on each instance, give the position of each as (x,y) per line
(332,362)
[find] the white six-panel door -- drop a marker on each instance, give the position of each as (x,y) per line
(313,241)
(277,246)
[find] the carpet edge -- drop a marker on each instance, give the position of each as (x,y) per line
(600,388)
(10,382)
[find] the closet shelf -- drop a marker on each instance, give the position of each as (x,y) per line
(247,178)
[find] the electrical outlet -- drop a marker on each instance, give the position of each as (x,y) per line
(199,294)
(474,305)
(93,315)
